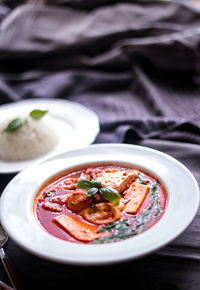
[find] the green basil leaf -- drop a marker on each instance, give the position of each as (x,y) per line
(84,184)
(14,125)
(110,194)
(96,183)
(37,114)
(91,191)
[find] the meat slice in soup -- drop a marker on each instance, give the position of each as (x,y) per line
(78,201)
(60,199)
(100,204)
(70,183)
(52,207)
(136,193)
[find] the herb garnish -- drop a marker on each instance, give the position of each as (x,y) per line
(154,189)
(153,195)
(17,123)
(113,238)
(112,226)
(159,208)
(94,186)
(122,228)
(147,212)
(86,184)
(92,191)
(140,179)
(37,114)
(14,125)
(110,194)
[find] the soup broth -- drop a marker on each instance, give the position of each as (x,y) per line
(100,204)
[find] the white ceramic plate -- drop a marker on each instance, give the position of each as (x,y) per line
(17,217)
(70,120)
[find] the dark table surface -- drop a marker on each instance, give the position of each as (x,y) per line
(136,64)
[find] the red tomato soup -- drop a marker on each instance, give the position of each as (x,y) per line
(100,204)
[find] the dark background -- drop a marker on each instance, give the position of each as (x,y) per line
(137,65)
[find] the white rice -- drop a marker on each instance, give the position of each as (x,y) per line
(33,139)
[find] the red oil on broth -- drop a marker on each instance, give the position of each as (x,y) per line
(100,204)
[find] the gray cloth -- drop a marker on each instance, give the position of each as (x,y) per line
(136,64)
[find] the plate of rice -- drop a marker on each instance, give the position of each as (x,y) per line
(35,130)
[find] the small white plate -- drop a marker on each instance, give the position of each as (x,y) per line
(17,217)
(76,126)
